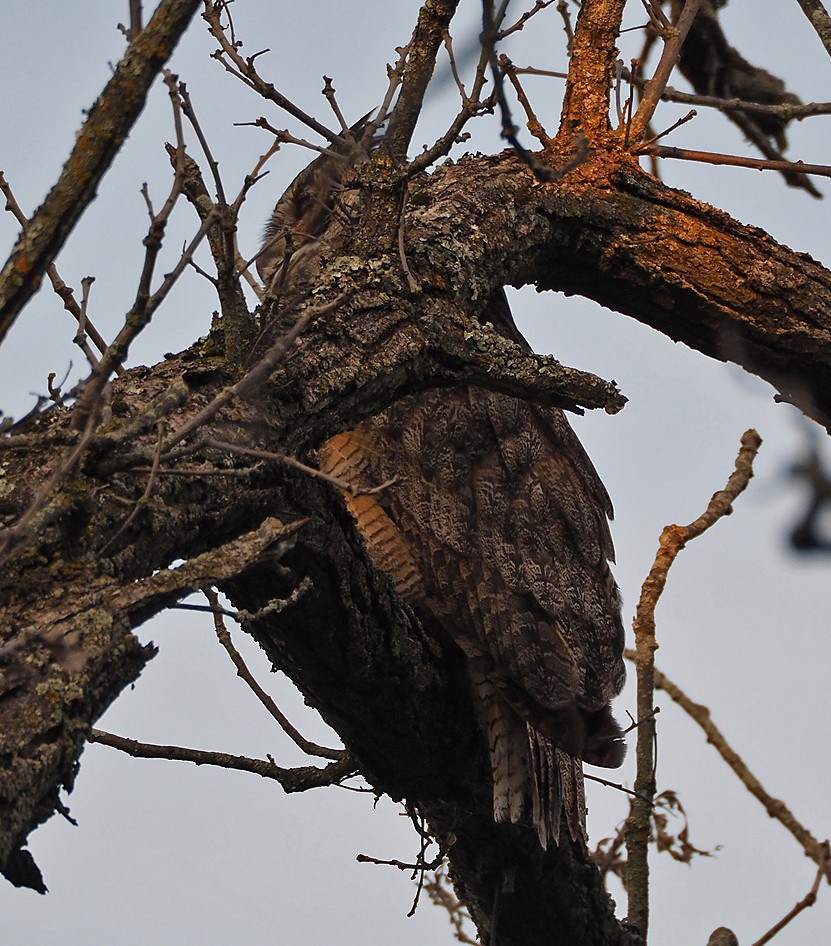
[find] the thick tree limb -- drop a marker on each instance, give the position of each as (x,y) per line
(726,289)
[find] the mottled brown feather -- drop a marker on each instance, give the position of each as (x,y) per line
(504,521)
(497,525)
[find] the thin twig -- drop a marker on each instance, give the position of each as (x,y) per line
(808,900)
(472,106)
(295,464)
(543,172)
(146,303)
(401,865)
(616,785)
(691,114)
(292,780)
(774,807)
(534,125)
(520,23)
(786,110)
(448,45)
(674,37)
(245,70)
(60,288)
(330,95)
(175,471)
(562,9)
(421,865)
(733,160)
(224,637)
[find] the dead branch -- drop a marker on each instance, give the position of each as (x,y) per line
(107,126)
(673,36)
(543,172)
(246,72)
(714,67)
(295,464)
(64,292)
(146,302)
(732,160)
(533,124)
(291,780)
(267,701)
(433,22)
(515,27)
(774,807)
(673,540)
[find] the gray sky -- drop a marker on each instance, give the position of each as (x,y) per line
(166,853)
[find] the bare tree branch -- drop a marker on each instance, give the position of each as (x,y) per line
(775,808)
(674,36)
(224,638)
(433,20)
(819,19)
(292,780)
(673,540)
(99,140)
(732,160)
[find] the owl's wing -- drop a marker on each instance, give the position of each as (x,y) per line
(508,522)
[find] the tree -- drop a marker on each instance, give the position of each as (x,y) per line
(592,231)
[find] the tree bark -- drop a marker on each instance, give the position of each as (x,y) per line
(76,582)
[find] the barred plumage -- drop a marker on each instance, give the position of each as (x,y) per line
(497,525)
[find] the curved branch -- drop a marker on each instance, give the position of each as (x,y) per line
(612,233)
(775,807)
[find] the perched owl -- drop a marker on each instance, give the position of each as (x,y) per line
(497,526)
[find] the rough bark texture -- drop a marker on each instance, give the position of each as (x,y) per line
(390,687)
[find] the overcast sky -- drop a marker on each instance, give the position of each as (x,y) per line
(166,853)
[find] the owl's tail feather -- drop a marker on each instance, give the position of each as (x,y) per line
(508,748)
(557,790)
(534,781)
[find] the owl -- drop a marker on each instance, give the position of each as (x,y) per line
(496,525)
